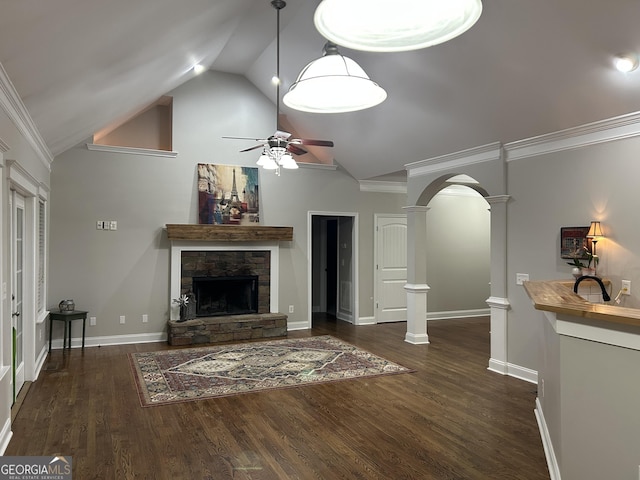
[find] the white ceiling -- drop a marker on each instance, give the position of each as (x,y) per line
(525,69)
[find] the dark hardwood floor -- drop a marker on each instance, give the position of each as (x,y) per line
(450,419)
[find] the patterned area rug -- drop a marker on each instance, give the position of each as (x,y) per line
(206,372)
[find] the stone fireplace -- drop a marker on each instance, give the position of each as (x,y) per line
(233,259)
(227,282)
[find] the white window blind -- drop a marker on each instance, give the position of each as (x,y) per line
(42,248)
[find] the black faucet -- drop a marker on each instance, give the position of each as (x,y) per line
(605,295)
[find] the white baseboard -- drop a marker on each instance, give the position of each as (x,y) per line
(498,367)
(5,435)
(448,315)
(456,314)
(366,321)
(549,453)
(513,370)
(522,373)
(298,326)
(41,360)
(114,340)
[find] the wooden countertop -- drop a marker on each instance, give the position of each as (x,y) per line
(557,296)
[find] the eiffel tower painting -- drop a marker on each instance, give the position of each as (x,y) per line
(228,194)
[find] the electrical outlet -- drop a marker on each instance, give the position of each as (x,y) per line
(122,318)
(92,321)
(113,225)
(521,278)
(99,225)
(290,308)
(626,287)
(145,318)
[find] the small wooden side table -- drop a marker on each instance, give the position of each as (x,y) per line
(67,317)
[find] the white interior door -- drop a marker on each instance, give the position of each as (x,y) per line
(391,268)
(17,271)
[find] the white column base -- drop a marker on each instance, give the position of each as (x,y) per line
(416,313)
(416,339)
(499,309)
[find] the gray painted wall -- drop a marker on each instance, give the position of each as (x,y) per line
(126,272)
(565,189)
(458,243)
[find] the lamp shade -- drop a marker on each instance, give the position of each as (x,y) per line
(595,231)
(333,84)
(287,161)
(394,26)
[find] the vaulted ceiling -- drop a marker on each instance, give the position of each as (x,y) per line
(525,69)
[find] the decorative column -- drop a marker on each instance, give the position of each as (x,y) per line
(416,286)
(498,301)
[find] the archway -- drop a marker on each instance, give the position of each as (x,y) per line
(485,166)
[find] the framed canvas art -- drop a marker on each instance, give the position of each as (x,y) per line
(228,195)
(573,242)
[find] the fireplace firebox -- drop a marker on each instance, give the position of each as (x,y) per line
(226,295)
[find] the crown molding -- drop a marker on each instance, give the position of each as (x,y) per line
(617,128)
(12,104)
(484,153)
(378,186)
(131,150)
(318,166)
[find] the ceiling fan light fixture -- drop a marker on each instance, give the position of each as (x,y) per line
(394,26)
(287,161)
(263,160)
(333,84)
(270,164)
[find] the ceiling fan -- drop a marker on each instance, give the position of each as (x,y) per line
(277,148)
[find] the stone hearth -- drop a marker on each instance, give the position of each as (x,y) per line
(227,328)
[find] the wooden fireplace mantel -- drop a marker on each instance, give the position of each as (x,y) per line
(228,233)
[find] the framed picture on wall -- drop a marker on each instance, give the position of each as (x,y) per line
(573,241)
(228,194)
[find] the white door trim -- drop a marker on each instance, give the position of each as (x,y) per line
(376,271)
(354,266)
(21,182)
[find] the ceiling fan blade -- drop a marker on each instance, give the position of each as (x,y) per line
(282,134)
(248,138)
(308,141)
(252,148)
(296,150)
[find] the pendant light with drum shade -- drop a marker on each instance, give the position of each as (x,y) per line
(333,84)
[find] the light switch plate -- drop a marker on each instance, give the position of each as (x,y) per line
(521,278)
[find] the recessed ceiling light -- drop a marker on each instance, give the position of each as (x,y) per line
(626,63)
(198,68)
(394,26)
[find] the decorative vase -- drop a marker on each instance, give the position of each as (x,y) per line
(67,306)
(576,272)
(183,313)
(589,271)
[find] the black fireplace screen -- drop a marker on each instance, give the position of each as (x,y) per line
(226,295)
